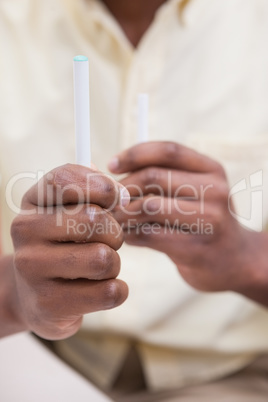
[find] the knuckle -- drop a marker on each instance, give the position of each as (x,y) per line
(21,229)
(152,176)
(67,168)
(111,193)
(119,239)
(153,205)
(22,261)
(219,169)
(171,150)
(95,213)
(116,236)
(103,254)
(106,261)
(61,174)
(109,187)
(112,293)
(17,227)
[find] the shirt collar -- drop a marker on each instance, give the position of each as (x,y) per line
(97,7)
(187,11)
(191,10)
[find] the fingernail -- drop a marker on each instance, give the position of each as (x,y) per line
(113,165)
(124,197)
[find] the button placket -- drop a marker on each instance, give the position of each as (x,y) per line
(143,76)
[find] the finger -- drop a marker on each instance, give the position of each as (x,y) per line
(79,224)
(163,210)
(167,240)
(164,154)
(82,296)
(169,182)
(93,261)
(73,184)
(185,248)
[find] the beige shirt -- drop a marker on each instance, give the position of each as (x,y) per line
(206,75)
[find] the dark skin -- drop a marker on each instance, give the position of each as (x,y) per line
(228,258)
(23,301)
(56,276)
(135,17)
(59,274)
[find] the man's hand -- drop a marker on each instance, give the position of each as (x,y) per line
(180,207)
(65,242)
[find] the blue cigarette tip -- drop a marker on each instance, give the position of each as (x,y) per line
(80,58)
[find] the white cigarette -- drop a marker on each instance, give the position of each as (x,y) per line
(81,110)
(143,105)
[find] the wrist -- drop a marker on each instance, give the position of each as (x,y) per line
(10,311)
(252,274)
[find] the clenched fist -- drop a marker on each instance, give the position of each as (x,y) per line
(65,242)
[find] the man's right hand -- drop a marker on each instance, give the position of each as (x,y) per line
(65,242)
